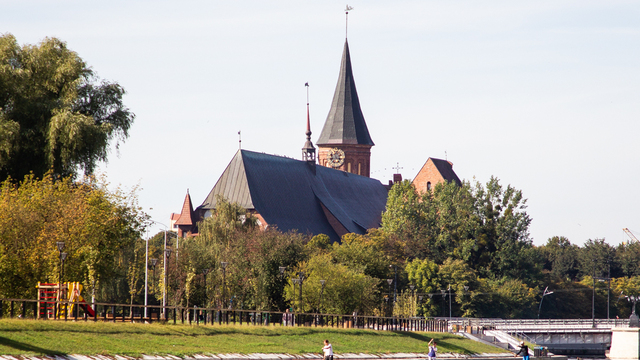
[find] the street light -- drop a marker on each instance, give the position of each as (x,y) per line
(60,246)
(167,254)
(301,278)
(206,298)
(390,281)
(449,302)
(545,293)
(224,283)
(395,281)
(153,264)
(413,312)
(164,299)
(63,257)
(322,282)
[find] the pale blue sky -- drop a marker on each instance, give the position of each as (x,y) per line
(544,95)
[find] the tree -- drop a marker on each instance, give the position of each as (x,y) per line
(560,258)
(597,256)
(55,113)
(346,289)
(99,229)
(424,275)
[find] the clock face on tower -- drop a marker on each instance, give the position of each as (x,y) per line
(335,158)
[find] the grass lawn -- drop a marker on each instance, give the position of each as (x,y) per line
(33,337)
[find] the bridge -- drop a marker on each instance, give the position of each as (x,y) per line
(560,336)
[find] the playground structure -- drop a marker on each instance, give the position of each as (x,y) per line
(66,295)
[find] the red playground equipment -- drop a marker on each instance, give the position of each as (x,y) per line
(57,300)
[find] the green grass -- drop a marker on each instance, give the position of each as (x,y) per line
(31,337)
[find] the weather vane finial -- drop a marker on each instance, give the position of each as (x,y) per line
(346,11)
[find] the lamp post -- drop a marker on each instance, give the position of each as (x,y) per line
(413,312)
(322,282)
(206,298)
(224,283)
(282,269)
(301,278)
(449,302)
(153,265)
(146,276)
(395,281)
(164,299)
(545,293)
(60,246)
(63,257)
(390,281)
(167,254)
(295,281)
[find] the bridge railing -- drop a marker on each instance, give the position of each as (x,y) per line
(519,324)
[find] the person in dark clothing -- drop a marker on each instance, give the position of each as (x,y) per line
(524,351)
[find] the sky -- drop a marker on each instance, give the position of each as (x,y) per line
(544,95)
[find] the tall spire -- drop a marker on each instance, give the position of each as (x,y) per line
(308,151)
(345,123)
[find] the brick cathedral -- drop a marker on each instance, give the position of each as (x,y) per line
(331,194)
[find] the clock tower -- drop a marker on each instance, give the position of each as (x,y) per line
(344,142)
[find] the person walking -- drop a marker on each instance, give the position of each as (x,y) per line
(327,349)
(524,351)
(433,349)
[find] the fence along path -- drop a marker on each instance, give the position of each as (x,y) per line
(75,310)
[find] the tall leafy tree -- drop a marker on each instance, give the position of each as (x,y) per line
(55,113)
(99,229)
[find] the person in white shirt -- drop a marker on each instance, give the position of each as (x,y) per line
(432,350)
(327,350)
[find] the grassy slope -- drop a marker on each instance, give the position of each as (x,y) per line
(24,337)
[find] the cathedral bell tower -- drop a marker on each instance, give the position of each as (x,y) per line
(344,142)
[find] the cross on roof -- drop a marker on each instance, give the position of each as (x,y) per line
(397,168)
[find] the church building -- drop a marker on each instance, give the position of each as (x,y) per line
(332,194)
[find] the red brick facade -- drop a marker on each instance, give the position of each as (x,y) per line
(357,158)
(429,176)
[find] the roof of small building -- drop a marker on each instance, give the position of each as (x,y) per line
(345,123)
(446,170)
(290,194)
(186,215)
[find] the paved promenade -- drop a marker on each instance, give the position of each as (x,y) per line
(397,356)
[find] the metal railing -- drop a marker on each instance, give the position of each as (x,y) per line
(541,324)
(107,312)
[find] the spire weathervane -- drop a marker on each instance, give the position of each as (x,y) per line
(346,27)
(239,140)
(308,151)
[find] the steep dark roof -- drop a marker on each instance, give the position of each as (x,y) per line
(446,170)
(345,123)
(291,194)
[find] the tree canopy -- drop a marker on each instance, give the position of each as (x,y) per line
(55,113)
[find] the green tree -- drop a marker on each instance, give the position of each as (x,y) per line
(596,256)
(346,290)
(627,257)
(503,233)
(360,252)
(424,275)
(55,113)
(99,229)
(560,258)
